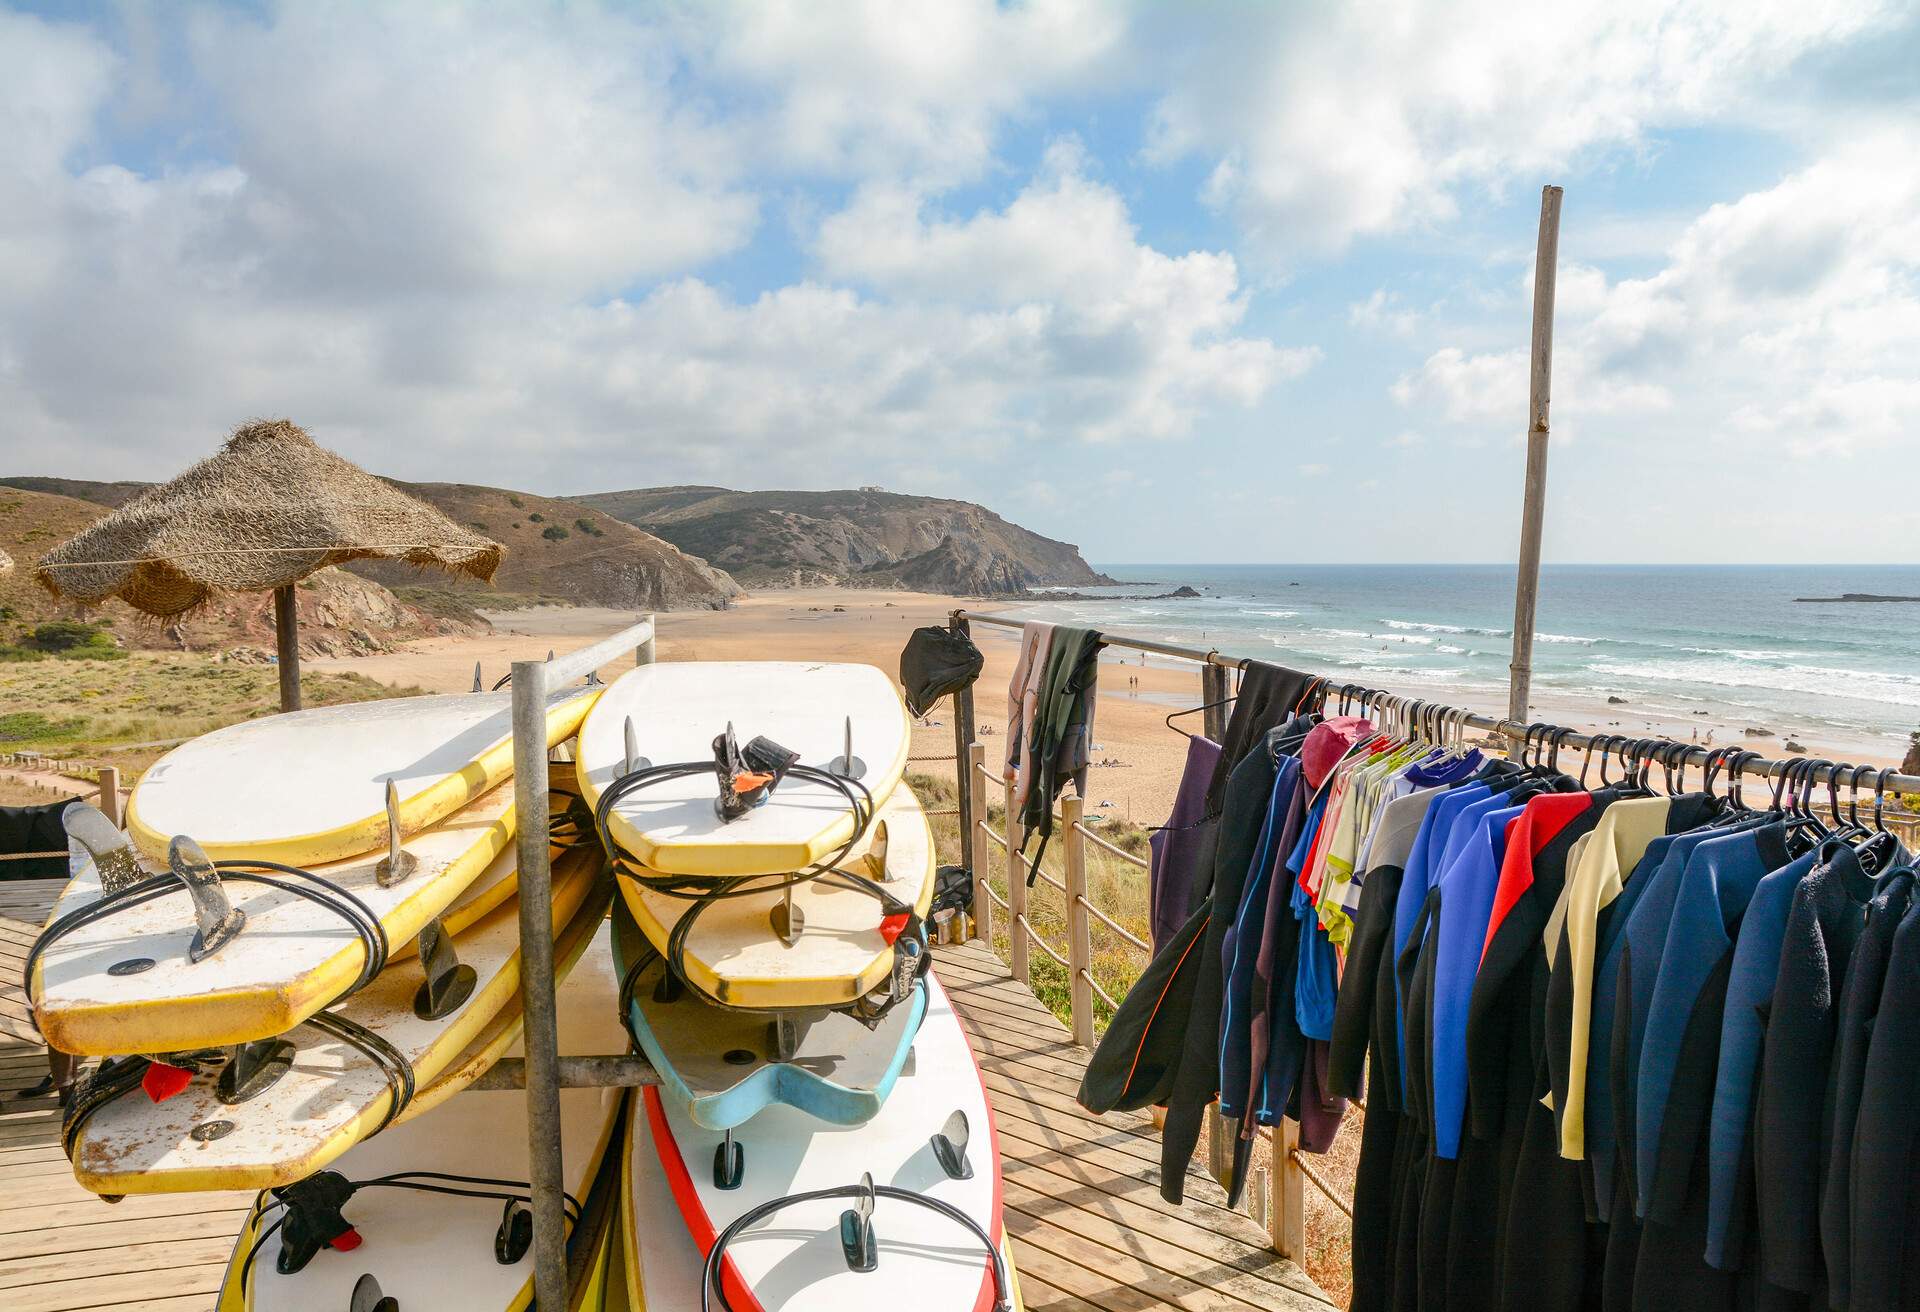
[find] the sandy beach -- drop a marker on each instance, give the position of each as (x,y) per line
(1138,758)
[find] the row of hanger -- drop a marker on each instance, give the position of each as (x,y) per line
(1793,792)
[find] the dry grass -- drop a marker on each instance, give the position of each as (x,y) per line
(99,709)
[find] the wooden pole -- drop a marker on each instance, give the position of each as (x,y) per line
(110,794)
(286,633)
(1287,1214)
(1016,896)
(979,855)
(1526,590)
(1079,931)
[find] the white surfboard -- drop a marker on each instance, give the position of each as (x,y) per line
(423,1254)
(670,1277)
(679,707)
(792,1261)
(127,983)
(733,954)
(334,1093)
(310,786)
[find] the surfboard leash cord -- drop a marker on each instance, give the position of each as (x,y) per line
(710,1282)
(317,889)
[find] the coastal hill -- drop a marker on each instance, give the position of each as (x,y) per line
(556,551)
(340,614)
(865,536)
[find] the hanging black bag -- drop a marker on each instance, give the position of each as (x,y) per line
(935,662)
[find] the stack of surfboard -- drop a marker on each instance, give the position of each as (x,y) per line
(773,969)
(309,935)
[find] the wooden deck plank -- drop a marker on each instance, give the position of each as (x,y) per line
(1089,1230)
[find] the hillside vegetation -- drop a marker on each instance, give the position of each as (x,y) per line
(862,536)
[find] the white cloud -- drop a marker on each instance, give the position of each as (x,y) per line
(420,233)
(1791,314)
(1326,122)
(1383,311)
(919,92)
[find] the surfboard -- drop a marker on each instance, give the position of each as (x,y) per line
(723,1066)
(334,1093)
(734,955)
(128,983)
(431,1250)
(678,707)
(667,1278)
(309,787)
(793,1260)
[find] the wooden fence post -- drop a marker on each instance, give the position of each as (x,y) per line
(979,856)
(1079,931)
(1215,688)
(110,794)
(1287,1216)
(1016,896)
(968,782)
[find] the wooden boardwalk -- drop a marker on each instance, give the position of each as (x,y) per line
(1089,1227)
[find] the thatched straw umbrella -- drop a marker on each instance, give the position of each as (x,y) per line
(268,510)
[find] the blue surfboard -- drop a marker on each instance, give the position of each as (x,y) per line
(723,1064)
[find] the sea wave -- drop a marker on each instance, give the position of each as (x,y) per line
(1813,680)
(1566,638)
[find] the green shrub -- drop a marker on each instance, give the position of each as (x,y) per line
(31,726)
(590,528)
(516,502)
(554,533)
(537,517)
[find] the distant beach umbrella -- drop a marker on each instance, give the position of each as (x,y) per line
(269,509)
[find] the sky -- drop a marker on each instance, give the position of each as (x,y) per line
(1177,283)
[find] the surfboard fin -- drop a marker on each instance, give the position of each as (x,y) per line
(449,981)
(113,856)
(847,765)
(875,859)
(787,918)
(856,1230)
(515,1235)
(729,1163)
(368,1298)
(789,1031)
(398,863)
(478,685)
(950,1147)
(631,743)
(252,1069)
(217,918)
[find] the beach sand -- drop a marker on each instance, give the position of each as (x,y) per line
(872,626)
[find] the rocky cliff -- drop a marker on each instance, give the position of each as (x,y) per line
(863,536)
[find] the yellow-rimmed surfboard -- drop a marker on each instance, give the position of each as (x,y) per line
(679,707)
(340,1081)
(841,953)
(128,981)
(309,787)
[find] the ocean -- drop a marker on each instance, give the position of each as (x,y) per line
(1672,641)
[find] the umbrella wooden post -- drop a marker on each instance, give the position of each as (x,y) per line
(286,633)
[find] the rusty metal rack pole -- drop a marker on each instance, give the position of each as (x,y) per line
(542,1072)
